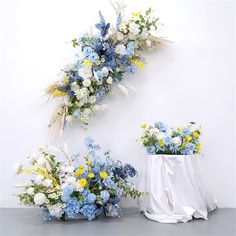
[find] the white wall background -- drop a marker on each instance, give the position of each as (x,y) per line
(191,79)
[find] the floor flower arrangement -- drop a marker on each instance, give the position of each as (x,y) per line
(160,139)
(72,187)
(104,57)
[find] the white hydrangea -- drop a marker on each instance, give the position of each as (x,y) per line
(39,199)
(71,180)
(55,210)
(38,179)
(160,135)
(81,93)
(134,28)
(176,141)
(120,49)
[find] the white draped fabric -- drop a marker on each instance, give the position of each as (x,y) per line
(176,192)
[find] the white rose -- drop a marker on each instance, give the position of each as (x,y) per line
(39,199)
(41,161)
(134,28)
(48,182)
(160,135)
(86,82)
(109,80)
(85,72)
(18,168)
(176,141)
(30,191)
(120,49)
(148,42)
(92,99)
(105,71)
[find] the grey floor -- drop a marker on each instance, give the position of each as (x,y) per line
(17,222)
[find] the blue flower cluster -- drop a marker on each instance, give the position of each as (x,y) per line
(107,55)
(159,139)
(94,188)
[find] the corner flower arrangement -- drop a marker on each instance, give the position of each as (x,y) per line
(72,187)
(103,59)
(160,139)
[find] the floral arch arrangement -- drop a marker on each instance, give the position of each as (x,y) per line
(104,57)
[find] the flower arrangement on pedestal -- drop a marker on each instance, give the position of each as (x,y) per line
(160,139)
(103,58)
(71,188)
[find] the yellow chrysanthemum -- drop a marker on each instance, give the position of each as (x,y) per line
(196,134)
(87,62)
(103,174)
(161,143)
(143,126)
(188,138)
(138,63)
(88,163)
(91,175)
(180,128)
(83,182)
(198,147)
(81,166)
(79,171)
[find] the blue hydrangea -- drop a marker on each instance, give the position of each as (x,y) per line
(189,149)
(167,140)
(91,198)
(89,210)
(130,48)
(68,189)
(46,215)
(150,149)
(105,195)
(65,198)
(72,207)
